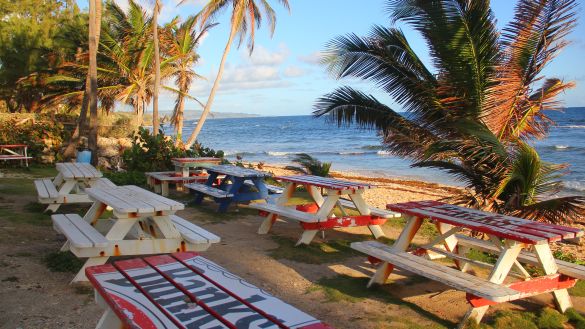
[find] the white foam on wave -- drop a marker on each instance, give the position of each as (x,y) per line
(277,154)
(561,147)
(575,185)
(573,126)
(351,153)
(383,152)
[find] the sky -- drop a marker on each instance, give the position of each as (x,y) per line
(283,75)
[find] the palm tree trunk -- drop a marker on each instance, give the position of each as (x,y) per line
(94,26)
(179,119)
(207,108)
(155,121)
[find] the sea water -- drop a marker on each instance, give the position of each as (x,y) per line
(278,139)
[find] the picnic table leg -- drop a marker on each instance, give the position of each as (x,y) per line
(94,212)
(234,189)
(385,269)
(199,195)
(322,214)
(306,237)
(269,221)
(549,265)
(92,261)
(53,207)
(363,209)
(450,244)
(499,273)
(58,180)
(164,188)
(109,319)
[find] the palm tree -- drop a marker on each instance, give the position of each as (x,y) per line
(246,16)
(475,116)
(310,165)
(155,121)
(182,41)
(95,6)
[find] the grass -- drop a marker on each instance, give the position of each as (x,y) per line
(578,290)
(63,262)
(427,229)
(28,215)
(315,253)
(344,288)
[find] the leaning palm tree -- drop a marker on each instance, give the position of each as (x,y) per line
(95,6)
(246,16)
(475,115)
(182,41)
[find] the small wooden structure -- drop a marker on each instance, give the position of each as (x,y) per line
(142,223)
(184,165)
(232,187)
(159,181)
(515,240)
(17,152)
(69,185)
(323,219)
(185,290)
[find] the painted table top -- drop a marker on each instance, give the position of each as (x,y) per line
(75,170)
(325,182)
(133,199)
(237,171)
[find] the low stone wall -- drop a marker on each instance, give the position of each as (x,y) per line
(110,151)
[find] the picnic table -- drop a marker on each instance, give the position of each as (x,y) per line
(69,185)
(237,185)
(14,152)
(323,219)
(185,290)
(160,180)
(142,223)
(516,241)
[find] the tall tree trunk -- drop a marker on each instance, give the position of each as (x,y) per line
(155,121)
(179,119)
(81,127)
(207,108)
(94,26)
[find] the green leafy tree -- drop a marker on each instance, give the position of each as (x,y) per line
(310,165)
(475,115)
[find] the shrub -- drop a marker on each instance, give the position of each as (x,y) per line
(576,319)
(151,153)
(551,319)
(514,320)
(201,151)
(126,178)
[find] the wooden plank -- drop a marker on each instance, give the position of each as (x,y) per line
(103,183)
(209,190)
(193,233)
(237,171)
(89,231)
(330,183)
(174,205)
(119,205)
(373,211)
(79,233)
(567,268)
(64,169)
(41,188)
(285,212)
(446,275)
(141,198)
(91,171)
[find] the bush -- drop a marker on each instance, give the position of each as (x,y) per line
(576,319)
(201,151)
(514,320)
(152,153)
(126,178)
(551,319)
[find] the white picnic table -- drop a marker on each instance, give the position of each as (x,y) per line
(183,165)
(160,180)
(516,241)
(142,223)
(326,193)
(69,184)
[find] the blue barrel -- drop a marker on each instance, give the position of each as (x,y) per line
(84,156)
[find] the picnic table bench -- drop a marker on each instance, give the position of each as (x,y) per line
(69,185)
(514,240)
(15,152)
(323,219)
(186,290)
(232,187)
(160,180)
(142,223)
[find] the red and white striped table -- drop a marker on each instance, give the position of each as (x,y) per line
(185,290)
(514,239)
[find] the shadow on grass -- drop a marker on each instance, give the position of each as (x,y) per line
(315,253)
(353,290)
(30,214)
(63,262)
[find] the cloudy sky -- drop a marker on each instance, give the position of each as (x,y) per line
(283,75)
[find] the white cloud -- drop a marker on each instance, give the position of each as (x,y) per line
(263,56)
(312,58)
(294,71)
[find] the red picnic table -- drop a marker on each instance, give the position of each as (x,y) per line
(185,290)
(14,152)
(326,193)
(516,241)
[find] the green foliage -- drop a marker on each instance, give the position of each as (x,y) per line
(578,290)
(126,177)
(474,113)
(514,320)
(151,153)
(575,318)
(567,257)
(63,262)
(202,151)
(35,133)
(551,319)
(310,165)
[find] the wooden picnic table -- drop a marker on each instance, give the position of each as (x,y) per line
(516,241)
(183,165)
(323,219)
(69,185)
(15,152)
(185,290)
(142,223)
(232,187)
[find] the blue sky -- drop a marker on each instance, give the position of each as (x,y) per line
(283,77)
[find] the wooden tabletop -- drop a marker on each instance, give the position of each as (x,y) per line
(185,290)
(75,170)
(506,227)
(237,171)
(325,182)
(133,199)
(197,160)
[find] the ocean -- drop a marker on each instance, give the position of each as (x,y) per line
(277,139)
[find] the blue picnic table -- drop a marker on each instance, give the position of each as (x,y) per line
(236,184)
